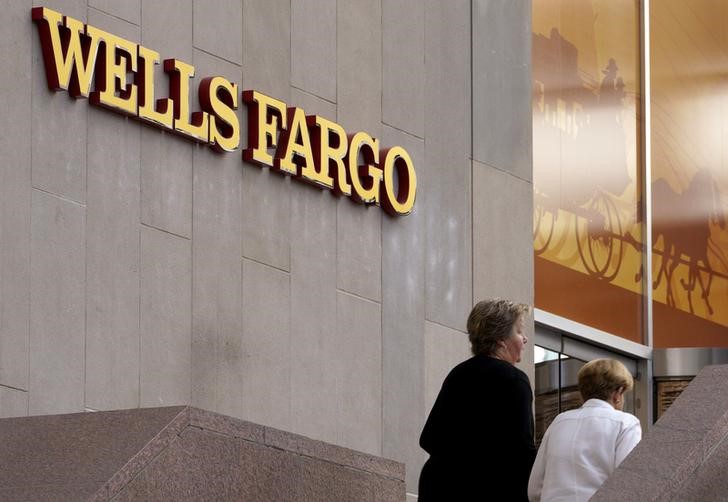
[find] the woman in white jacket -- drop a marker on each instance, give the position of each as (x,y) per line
(582,447)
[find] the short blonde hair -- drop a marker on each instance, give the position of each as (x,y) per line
(600,377)
(491,321)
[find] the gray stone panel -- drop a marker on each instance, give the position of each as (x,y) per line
(502,97)
(266,195)
(167,29)
(166,182)
(403,65)
(267,47)
(403,325)
(217,324)
(15,192)
(502,246)
(314,398)
(218,28)
(266,379)
(444,349)
(112,250)
(166,173)
(359,373)
(57,305)
(13,402)
(359,102)
(313,47)
(447,150)
(128,10)
(59,124)
(359,66)
(359,249)
(166,269)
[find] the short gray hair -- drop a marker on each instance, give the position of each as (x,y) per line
(491,321)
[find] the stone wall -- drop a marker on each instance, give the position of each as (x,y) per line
(139,269)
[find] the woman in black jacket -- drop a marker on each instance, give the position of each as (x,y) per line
(480,431)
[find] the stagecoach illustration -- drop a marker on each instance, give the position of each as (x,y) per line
(582,152)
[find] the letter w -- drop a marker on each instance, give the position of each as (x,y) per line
(69,52)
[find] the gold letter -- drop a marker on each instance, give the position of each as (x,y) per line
(261,132)
(398,204)
(224,125)
(369,147)
(195,127)
(161,114)
(71,71)
(328,159)
(290,145)
(111,76)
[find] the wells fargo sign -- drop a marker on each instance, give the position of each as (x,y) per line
(308,147)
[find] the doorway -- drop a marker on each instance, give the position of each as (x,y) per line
(558,359)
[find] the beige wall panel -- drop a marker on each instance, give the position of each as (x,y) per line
(128,10)
(403,324)
(312,104)
(13,402)
(74,8)
(359,371)
(359,66)
(167,29)
(165,319)
(57,305)
(267,47)
(112,250)
(266,381)
(502,98)
(359,249)
(359,104)
(444,349)
(57,119)
(503,240)
(313,47)
(166,199)
(266,195)
(403,65)
(313,298)
(15,192)
(217,324)
(314,400)
(166,186)
(502,237)
(447,150)
(218,28)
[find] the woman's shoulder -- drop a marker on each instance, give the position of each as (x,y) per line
(627,418)
(492,367)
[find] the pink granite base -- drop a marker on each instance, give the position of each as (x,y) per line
(181,453)
(685,455)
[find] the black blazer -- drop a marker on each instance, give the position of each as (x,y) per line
(479,434)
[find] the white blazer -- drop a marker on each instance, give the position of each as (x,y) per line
(580,449)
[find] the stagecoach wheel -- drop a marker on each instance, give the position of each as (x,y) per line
(543,228)
(599,237)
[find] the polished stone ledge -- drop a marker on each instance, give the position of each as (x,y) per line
(178,453)
(685,455)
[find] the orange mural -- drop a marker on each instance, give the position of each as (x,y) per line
(689,64)
(588,226)
(587,176)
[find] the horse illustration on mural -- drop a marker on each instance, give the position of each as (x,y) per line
(685,221)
